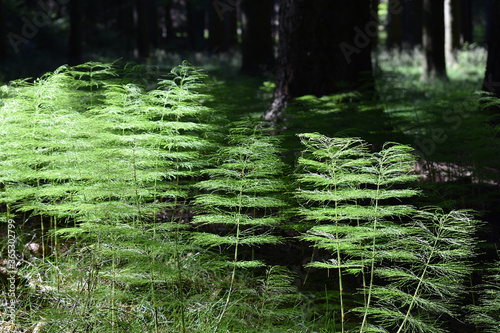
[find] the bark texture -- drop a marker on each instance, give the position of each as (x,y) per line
(324,48)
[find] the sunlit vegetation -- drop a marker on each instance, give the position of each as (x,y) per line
(151,201)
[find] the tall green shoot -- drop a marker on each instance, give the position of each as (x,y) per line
(242,195)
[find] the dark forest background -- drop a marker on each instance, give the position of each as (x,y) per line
(38,35)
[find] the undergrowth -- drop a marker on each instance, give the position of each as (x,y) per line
(242,200)
(409,262)
(153,207)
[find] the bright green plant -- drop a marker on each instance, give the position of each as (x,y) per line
(338,175)
(242,196)
(353,194)
(425,273)
(108,160)
(90,146)
(486,314)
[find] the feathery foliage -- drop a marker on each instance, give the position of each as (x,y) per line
(426,273)
(91,145)
(406,268)
(486,315)
(114,158)
(349,186)
(242,196)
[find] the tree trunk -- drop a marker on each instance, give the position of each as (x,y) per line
(466,19)
(412,23)
(452,30)
(320,54)
(492,77)
(75,32)
(221,25)
(141,25)
(153,30)
(394,26)
(3,37)
(257,43)
(375,4)
(434,64)
(196,24)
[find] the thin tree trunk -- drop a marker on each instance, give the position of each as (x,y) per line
(452,30)
(324,48)
(257,43)
(434,63)
(394,27)
(75,32)
(141,25)
(491,81)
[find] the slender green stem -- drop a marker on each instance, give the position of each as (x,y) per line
(113,291)
(55,252)
(420,280)
(179,276)
(341,287)
(333,174)
(233,274)
(136,185)
(372,268)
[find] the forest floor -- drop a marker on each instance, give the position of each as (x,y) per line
(457,143)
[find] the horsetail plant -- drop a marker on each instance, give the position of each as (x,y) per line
(486,314)
(425,272)
(412,267)
(325,183)
(242,197)
(109,156)
(342,185)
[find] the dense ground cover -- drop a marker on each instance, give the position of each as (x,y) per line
(150,202)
